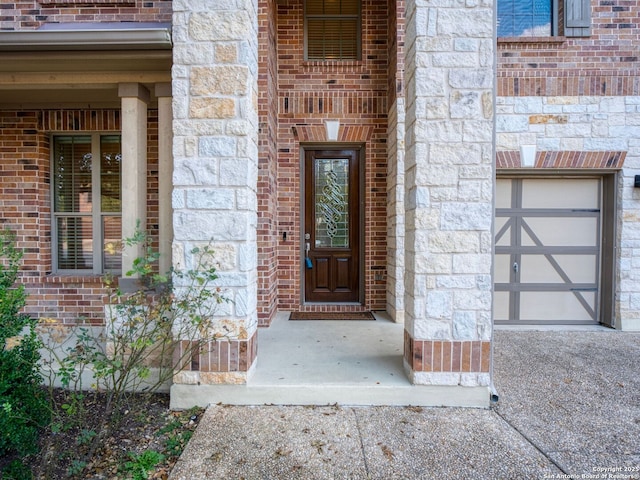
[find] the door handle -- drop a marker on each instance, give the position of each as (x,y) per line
(307,247)
(516,267)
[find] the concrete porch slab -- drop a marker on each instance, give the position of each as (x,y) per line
(327,362)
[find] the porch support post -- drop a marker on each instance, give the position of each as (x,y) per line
(215,127)
(165,174)
(134,99)
(449,179)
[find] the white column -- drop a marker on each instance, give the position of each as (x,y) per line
(165,174)
(134,100)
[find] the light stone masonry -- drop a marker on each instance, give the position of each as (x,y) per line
(449,75)
(588,124)
(215,151)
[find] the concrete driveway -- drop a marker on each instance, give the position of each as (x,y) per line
(569,407)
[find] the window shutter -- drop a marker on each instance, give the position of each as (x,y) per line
(577,18)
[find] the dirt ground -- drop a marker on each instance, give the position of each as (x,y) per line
(72,448)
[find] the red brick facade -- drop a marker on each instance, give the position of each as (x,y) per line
(356,93)
(31,14)
(25,201)
(605,63)
(447,356)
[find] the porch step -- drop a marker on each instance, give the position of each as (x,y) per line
(186,396)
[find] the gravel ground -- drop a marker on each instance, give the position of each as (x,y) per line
(569,408)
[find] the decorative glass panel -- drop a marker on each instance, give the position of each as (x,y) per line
(524,18)
(72,171)
(110,160)
(332,202)
(75,243)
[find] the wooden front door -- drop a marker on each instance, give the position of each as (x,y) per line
(331,235)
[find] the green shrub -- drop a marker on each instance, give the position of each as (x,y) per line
(23,403)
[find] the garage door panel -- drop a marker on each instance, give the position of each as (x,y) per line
(503,231)
(501,306)
(560,231)
(503,193)
(557,306)
(558,269)
(502,268)
(560,193)
(547,260)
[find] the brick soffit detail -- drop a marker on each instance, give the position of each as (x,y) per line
(610,160)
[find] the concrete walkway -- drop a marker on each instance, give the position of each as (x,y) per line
(569,407)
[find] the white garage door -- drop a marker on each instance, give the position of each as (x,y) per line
(547,257)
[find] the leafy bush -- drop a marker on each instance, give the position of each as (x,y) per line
(136,352)
(23,403)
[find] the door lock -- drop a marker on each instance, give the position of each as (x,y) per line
(516,267)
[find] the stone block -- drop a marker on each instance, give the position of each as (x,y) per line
(465,104)
(211,225)
(464,325)
(217,146)
(471,263)
(512,123)
(205,107)
(431,329)
(238,172)
(466,22)
(472,300)
(211,198)
(219,80)
(477,131)
(226,53)
(453,242)
(470,78)
(439,304)
(466,44)
(220,26)
(194,171)
(466,216)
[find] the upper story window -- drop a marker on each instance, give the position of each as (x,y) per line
(332,29)
(541,18)
(529,18)
(87,203)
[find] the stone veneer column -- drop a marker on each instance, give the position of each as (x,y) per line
(134,100)
(165,174)
(449,179)
(215,172)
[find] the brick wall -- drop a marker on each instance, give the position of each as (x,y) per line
(25,203)
(31,14)
(605,63)
(268,234)
(356,93)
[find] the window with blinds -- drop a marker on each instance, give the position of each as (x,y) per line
(87,203)
(332,29)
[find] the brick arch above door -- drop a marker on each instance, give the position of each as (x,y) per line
(347,133)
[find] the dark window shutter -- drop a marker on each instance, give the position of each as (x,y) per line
(577,18)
